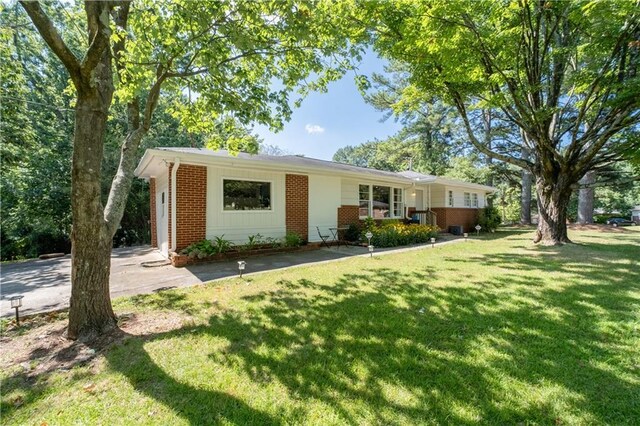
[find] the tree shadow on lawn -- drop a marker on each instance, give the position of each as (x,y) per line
(406,335)
(383,346)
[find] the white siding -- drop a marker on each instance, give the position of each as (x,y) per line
(458,197)
(162,213)
(438,196)
(350,194)
(324,200)
(238,225)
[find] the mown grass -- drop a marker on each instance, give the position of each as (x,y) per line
(493,331)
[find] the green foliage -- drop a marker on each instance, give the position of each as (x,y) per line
(353,233)
(199,250)
(468,169)
(489,218)
(221,245)
(293,239)
(602,218)
(205,248)
(429,136)
(368,224)
(399,234)
(507,201)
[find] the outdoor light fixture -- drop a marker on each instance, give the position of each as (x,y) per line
(433,242)
(465,235)
(478,228)
(241,266)
(16,302)
(369,235)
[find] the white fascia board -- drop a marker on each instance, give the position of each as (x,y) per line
(461,184)
(199,159)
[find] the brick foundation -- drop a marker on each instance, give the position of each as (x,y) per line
(448,216)
(297,205)
(348,215)
(191,205)
(152,212)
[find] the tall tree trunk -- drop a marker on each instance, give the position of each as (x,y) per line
(525,195)
(585,198)
(90,308)
(486,124)
(553,199)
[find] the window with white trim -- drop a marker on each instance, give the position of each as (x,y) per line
(365,198)
(246,195)
(474,200)
(467,199)
(380,202)
(450,198)
(398,205)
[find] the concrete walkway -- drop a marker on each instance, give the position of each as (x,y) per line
(46,284)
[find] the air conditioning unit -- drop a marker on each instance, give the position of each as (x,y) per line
(456,230)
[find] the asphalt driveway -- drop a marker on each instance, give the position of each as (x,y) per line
(46,284)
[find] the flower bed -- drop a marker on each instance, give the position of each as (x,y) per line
(396,234)
(219,249)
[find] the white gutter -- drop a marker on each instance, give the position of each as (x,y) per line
(174,173)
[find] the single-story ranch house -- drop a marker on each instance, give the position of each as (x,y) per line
(200,193)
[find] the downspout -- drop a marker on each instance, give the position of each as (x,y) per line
(174,189)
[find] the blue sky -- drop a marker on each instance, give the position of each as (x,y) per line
(332,120)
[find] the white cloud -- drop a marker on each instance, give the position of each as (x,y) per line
(314,128)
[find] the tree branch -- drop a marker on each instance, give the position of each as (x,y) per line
(53,39)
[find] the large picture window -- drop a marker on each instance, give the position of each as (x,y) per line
(380,202)
(246,195)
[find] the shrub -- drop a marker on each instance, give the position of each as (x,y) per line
(368,225)
(200,249)
(205,248)
(353,233)
(221,245)
(293,239)
(398,234)
(489,218)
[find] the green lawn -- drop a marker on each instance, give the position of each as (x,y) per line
(494,331)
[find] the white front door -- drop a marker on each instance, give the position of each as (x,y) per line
(162,221)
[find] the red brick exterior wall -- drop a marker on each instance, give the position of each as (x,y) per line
(297,205)
(152,212)
(448,216)
(191,205)
(348,215)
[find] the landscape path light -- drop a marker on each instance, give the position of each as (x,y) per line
(433,242)
(369,235)
(241,265)
(465,235)
(478,228)
(16,302)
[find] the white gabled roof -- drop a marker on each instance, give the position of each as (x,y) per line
(293,163)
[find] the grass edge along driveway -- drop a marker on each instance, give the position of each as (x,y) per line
(490,331)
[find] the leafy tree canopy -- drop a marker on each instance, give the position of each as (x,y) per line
(564,73)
